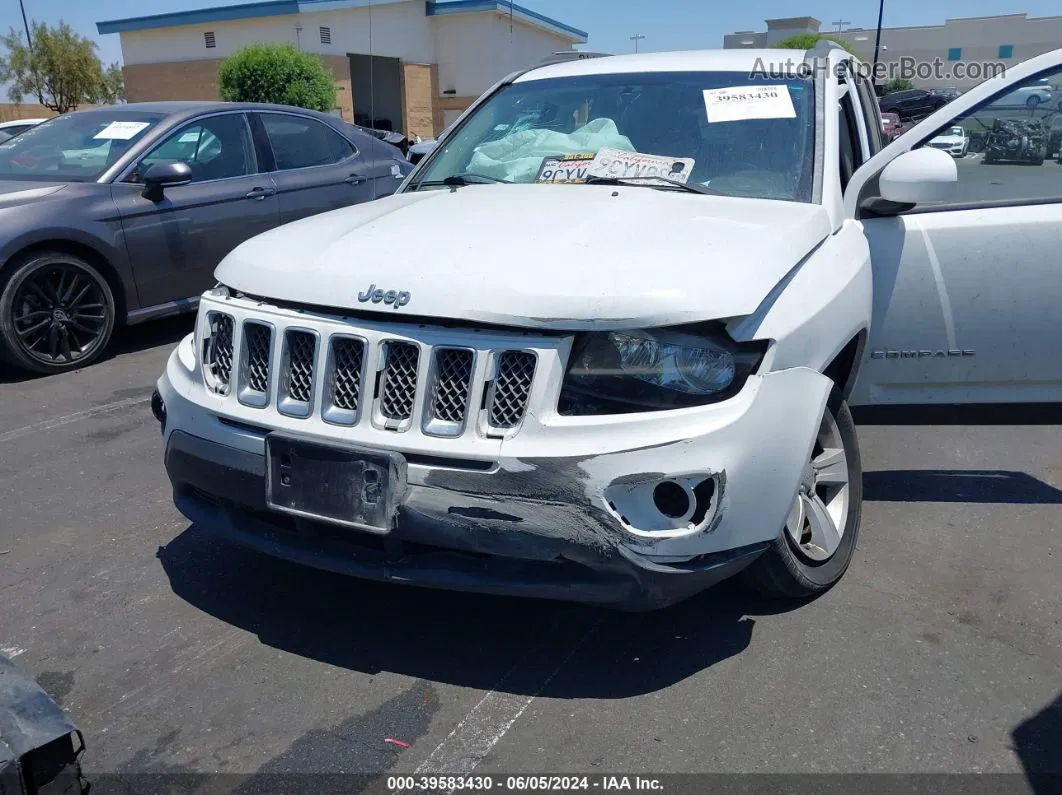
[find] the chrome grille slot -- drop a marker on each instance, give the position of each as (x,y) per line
(398,391)
(511,389)
(217,352)
(297,372)
(450,392)
(255,362)
(343,380)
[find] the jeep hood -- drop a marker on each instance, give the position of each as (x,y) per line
(536,256)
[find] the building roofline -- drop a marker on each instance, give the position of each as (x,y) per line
(267,8)
(503,6)
(276,8)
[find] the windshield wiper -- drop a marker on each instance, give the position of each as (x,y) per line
(686,186)
(460,180)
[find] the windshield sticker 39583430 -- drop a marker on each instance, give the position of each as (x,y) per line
(748,102)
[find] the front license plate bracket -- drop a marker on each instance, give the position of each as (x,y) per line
(350,486)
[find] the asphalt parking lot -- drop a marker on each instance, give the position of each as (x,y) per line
(941,651)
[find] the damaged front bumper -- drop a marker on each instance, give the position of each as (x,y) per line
(571,509)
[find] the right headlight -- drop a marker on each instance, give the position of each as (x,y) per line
(622,372)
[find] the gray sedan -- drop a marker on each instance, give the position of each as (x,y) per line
(119,215)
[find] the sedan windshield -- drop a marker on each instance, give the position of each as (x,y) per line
(75,147)
(713,132)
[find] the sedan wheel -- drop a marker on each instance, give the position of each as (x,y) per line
(1033,101)
(817,542)
(56,314)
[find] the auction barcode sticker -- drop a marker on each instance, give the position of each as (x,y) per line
(748,102)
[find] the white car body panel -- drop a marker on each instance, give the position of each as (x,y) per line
(965,300)
(620,257)
(818,308)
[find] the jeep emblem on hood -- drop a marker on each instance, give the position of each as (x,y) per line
(393,297)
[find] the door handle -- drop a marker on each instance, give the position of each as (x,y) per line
(260,193)
(355,179)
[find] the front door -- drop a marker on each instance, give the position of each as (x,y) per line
(317,169)
(176,242)
(967,291)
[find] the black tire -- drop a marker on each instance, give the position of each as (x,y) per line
(783,572)
(1033,102)
(81,335)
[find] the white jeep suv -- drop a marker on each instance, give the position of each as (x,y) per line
(604,357)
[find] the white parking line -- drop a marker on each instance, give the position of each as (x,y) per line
(58,422)
(481,729)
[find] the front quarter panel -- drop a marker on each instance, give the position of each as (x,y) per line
(818,307)
(85,215)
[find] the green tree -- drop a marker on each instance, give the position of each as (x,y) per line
(61,69)
(897,84)
(113,85)
(807,41)
(277,73)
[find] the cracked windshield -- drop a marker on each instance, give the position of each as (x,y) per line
(720,132)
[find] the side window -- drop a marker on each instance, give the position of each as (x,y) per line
(1008,149)
(299,142)
(217,147)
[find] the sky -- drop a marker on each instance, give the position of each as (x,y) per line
(666,24)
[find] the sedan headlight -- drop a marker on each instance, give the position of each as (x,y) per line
(622,372)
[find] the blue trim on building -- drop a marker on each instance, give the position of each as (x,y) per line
(276,8)
(269,8)
(502,6)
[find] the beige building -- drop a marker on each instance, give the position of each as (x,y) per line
(407,65)
(1008,40)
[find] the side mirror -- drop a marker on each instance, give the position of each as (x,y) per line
(918,176)
(162,175)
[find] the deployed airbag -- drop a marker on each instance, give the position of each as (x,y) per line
(518,157)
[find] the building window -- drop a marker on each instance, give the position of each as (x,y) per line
(326,35)
(955,54)
(1006,50)
(209,40)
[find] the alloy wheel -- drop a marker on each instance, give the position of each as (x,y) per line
(817,519)
(60,314)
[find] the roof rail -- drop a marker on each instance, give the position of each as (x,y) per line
(823,47)
(570,55)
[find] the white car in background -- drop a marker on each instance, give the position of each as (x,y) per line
(422,148)
(9,129)
(1032,96)
(954,141)
(625,373)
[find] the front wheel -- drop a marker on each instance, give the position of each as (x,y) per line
(817,543)
(1032,102)
(56,313)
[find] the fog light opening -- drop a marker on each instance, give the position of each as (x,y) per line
(671,499)
(703,493)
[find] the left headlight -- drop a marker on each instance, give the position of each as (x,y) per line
(622,372)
